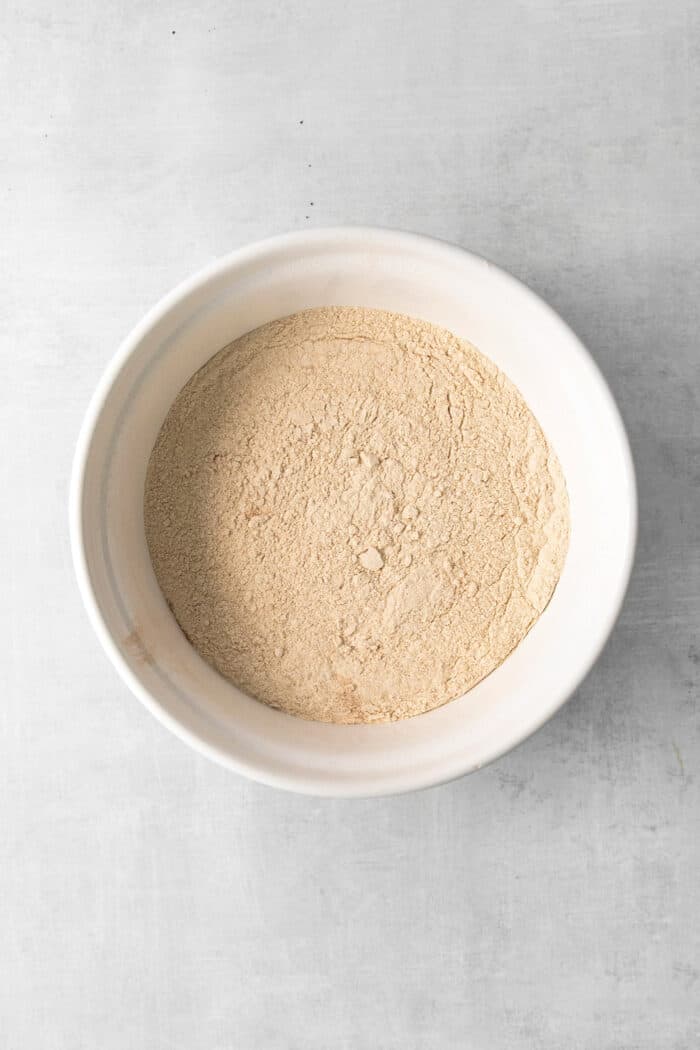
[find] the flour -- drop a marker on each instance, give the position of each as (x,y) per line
(354,515)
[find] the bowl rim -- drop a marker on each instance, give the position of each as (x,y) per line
(301,239)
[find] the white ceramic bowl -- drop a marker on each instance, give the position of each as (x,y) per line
(392,271)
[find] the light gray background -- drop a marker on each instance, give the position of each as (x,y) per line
(149,899)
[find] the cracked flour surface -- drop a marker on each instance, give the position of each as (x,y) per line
(354,515)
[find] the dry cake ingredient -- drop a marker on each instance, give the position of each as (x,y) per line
(354,515)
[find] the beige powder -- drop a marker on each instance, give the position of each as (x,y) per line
(354,515)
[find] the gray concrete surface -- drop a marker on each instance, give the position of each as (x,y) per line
(151,900)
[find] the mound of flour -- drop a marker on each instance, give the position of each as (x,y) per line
(354,515)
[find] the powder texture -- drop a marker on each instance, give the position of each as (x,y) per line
(354,515)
